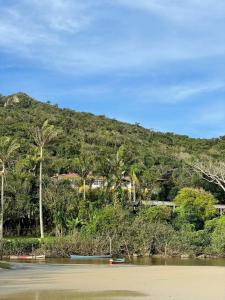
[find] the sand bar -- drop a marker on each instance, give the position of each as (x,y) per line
(156,282)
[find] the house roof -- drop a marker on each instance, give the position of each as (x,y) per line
(67,176)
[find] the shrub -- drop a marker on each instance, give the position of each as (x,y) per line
(155,214)
(109,221)
(75,244)
(194,207)
(19,246)
(216,228)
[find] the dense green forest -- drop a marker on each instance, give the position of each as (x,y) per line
(90,147)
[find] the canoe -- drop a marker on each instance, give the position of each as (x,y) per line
(25,257)
(116,261)
(80,257)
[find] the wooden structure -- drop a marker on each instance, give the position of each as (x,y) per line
(219,207)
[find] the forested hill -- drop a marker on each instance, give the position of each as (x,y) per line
(157,156)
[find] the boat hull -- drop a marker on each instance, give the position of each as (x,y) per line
(88,257)
(27,257)
(117,261)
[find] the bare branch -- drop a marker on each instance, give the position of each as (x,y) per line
(212,171)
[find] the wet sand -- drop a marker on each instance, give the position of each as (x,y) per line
(147,282)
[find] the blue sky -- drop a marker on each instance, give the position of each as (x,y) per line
(160,63)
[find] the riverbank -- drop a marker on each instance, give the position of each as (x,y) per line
(63,247)
(155,282)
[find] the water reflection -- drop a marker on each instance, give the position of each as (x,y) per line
(177,261)
(149,261)
(65,295)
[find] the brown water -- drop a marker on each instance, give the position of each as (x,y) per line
(71,295)
(148,261)
(59,265)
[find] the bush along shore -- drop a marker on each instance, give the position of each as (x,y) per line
(193,229)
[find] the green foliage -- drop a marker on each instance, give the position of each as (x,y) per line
(216,228)
(189,241)
(155,214)
(147,237)
(73,244)
(8,147)
(194,206)
(61,200)
(19,246)
(109,221)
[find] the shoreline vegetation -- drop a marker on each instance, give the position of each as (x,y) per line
(78,180)
(133,240)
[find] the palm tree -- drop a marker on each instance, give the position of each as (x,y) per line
(8,147)
(118,169)
(118,166)
(42,136)
(134,180)
(84,165)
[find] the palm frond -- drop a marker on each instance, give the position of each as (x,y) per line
(8,147)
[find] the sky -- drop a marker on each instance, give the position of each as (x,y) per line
(160,63)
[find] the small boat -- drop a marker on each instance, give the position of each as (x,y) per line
(116,261)
(25,257)
(87,257)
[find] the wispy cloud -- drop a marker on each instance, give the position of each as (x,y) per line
(60,15)
(157,53)
(185,92)
(88,36)
(175,93)
(27,24)
(177,11)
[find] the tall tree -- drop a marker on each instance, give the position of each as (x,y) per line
(84,165)
(42,137)
(117,171)
(61,201)
(118,166)
(8,147)
(134,180)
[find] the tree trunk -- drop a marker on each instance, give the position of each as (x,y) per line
(40,195)
(84,190)
(57,231)
(2,203)
(134,192)
(18,228)
(130,194)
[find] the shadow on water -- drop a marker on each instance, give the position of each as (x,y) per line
(4,265)
(177,261)
(70,295)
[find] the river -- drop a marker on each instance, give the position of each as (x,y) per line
(144,278)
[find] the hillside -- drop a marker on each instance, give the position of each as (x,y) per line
(156,154)
(96,148)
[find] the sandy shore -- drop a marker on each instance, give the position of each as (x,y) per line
(156,282)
